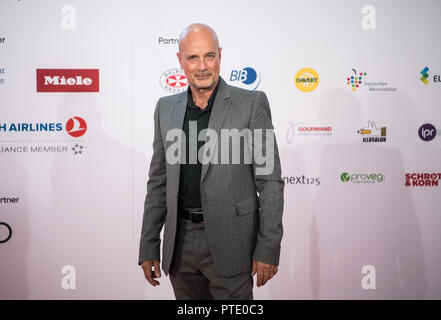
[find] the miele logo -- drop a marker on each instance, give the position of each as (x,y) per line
(68,80)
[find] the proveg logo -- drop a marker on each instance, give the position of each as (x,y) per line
(362,177)
(67,80)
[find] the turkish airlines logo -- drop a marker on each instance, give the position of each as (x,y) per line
(76,127)
(67,80)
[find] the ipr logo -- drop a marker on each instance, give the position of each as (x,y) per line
(427,132)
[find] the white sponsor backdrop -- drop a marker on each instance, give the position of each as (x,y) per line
(77,220)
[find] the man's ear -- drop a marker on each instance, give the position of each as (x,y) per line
(179,59)
(220,54)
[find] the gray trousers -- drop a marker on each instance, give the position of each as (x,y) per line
(193,273)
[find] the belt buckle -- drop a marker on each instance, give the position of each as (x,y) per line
(192,214)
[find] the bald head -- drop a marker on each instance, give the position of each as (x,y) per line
(197,30)
(200,56)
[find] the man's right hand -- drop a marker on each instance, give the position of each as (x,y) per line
(151,274)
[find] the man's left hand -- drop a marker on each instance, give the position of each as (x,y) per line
(264,272)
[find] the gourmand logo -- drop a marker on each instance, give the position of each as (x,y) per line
(67,80)
(362,177)
(302,129)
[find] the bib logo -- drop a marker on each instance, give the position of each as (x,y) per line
(362,177)
(307,80)
(76,127)
(247,78)
(67,80)
(174,80)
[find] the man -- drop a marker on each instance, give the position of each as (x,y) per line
(223,221)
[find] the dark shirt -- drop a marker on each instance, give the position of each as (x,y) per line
(190,173)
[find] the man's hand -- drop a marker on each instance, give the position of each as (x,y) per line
(264,272)
(149,273)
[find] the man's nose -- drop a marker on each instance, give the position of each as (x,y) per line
(202,64)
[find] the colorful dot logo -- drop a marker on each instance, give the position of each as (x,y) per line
(355,80)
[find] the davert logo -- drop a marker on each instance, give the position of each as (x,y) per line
(67,80)
(362,177)
(174,80)
(425,75)
(247,78)
(76,127)
(427,132)
(307,79)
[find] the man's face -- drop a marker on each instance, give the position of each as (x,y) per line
(200,57)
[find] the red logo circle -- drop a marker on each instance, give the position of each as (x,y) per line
(76,127)
(177,80)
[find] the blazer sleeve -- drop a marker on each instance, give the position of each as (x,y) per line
(155,200)
(268,181)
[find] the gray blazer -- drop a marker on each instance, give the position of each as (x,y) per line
(242,210)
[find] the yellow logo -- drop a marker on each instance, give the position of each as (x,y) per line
(307,79)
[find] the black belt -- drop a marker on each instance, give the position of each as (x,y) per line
(196,215)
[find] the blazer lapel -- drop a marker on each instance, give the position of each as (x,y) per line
(178,114)
(179,111)
(220,109)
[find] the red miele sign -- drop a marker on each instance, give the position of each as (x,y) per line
(68,80)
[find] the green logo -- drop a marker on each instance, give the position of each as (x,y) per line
(362,177)
(345,177)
